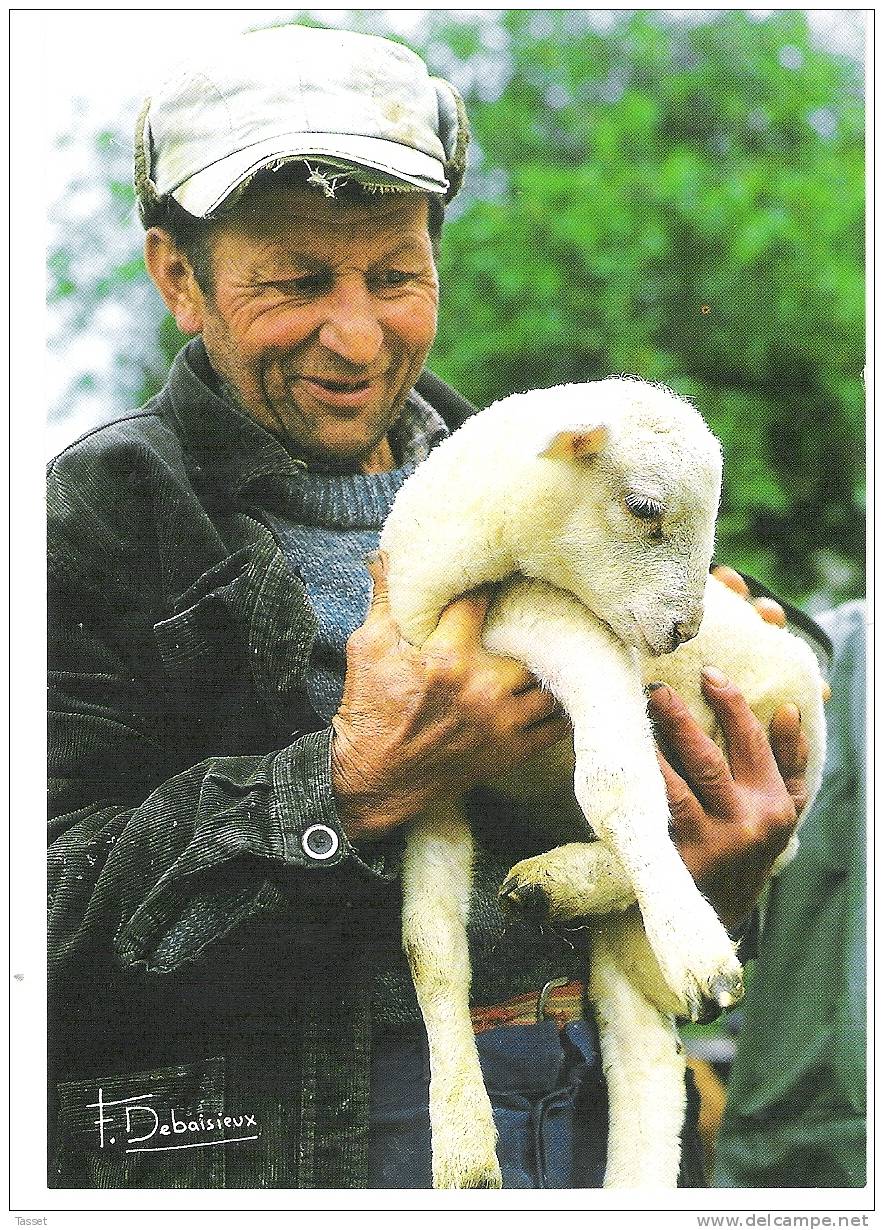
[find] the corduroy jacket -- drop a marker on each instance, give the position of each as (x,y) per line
(211,967)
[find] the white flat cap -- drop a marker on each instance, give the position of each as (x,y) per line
(359,105)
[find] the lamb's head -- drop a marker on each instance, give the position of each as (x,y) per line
(619,506)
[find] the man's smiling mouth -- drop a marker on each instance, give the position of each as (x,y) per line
(338,386)
(344,396)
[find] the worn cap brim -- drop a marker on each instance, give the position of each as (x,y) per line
(203,193)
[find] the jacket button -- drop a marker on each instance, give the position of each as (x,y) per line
(319,841)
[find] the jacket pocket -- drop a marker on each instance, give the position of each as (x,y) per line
(161,1128)
(245,624)
(202,626)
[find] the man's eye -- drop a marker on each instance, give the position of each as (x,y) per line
(308,284)
(643,507)
(395,277)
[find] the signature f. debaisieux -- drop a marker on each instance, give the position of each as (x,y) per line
(131,1122)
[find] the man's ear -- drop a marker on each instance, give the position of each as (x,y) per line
(576,443)
(171,271)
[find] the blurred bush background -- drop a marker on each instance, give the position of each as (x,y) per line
(679,196)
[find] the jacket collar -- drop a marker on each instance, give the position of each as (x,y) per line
(225,447)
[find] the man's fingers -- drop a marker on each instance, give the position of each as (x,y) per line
(703,763)
(748,749)
(379,628)
(770,611)
(789,742)
(791,751)
(732,579)
(798,792)
(536,705)
(683,805)
(376,563)
(511,677)
(460,624)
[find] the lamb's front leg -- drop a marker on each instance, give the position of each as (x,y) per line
(617,780)
(629,809)
(436,884)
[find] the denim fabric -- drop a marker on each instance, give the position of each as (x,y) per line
(549,1100)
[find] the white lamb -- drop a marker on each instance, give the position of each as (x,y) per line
(594,506)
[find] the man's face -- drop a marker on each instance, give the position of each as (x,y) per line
(322,315)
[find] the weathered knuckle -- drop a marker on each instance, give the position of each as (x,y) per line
(683,803)
(777,823)
(785,817)
(709,767)
(481,689)
(358,640)
(446,668)
(754,739)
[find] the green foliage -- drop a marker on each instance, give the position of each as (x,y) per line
(680,199)
(679,203)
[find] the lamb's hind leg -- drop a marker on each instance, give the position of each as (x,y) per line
(436,882)
(641,1051)
(644,1066)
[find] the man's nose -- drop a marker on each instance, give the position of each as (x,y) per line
(351,329)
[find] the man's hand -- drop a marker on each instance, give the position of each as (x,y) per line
(733,815)
(420,724)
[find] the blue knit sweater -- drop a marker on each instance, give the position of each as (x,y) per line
(332,522)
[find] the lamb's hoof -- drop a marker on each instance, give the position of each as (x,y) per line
(464,1137)
(529,900)
(463,1176)
(697,959)
(727,989)
(568,885)
(466,1162)
(702,1001)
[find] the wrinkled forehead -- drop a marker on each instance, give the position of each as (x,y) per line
(286,229)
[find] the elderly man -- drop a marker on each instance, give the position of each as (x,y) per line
(230,773)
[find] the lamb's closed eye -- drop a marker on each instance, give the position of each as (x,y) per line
(643,507)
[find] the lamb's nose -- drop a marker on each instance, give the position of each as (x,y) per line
(686,630)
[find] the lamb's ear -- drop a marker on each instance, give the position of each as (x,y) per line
(576,443)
